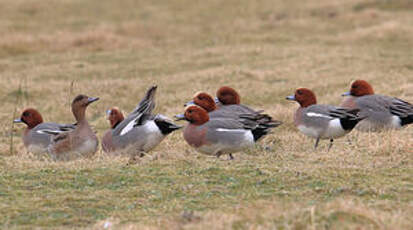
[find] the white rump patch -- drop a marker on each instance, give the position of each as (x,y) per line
(395,122)
(311,114)
(334,130)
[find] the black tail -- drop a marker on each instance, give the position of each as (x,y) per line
(406,120)
(402,109)
(259,124)
(166,126)
(349,118)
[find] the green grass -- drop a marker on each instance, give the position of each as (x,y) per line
(52,50)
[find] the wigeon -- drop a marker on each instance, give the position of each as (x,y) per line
(322,121)
(218,136)
(229,98)
(34,138)
(115,117)
(206,101)
(141,130)
(382,112)
(79,142)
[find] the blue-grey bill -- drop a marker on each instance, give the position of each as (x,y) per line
(346,94)
(291,97)
(92,99)
(189,103)
(179,117)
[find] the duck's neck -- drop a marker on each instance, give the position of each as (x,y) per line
(80,116)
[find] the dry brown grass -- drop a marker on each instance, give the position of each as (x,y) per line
(265,49)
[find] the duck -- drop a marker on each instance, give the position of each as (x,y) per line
(115,117)
(228,97)
(35,139)
(221,135)
(322,121)
(382,112)
(140,130)
(79,142)
(227,104)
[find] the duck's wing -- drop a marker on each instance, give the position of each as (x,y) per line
(139,115)
(147,104)
(54,128)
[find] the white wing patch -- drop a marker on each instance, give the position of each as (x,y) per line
(311,114)
(49,131)
(230,130)
(128,127)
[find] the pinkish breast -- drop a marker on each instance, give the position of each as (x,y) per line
(349,102)
(107,144)
(194,135)
(298,116)
(26,140)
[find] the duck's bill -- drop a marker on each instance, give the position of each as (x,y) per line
(17,121)
(92,99)
(346,94)
(179,117)
(216,100)
(108,112)
(291,98)
(189,103)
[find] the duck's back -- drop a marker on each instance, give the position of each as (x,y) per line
(379,110)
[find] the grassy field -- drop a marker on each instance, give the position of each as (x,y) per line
(52,50)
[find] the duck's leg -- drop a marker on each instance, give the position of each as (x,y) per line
(316,143)
(331,144)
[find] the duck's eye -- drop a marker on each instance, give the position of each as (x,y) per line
(299,92)
(354,87)
(26,114)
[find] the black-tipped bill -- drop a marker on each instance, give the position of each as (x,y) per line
(346,94)
(92,99)
(18,121)
(216,100)
(291,98)
(108,113)
(179,117)
(189,103)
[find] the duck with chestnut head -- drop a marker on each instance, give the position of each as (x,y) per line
(382,112)
(227,104)
(322,121)
(35,138)
(220,135)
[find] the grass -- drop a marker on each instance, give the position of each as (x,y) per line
(52,50)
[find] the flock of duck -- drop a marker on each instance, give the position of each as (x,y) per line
(216,126)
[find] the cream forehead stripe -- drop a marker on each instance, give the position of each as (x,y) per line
(197,93)
(191,105)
